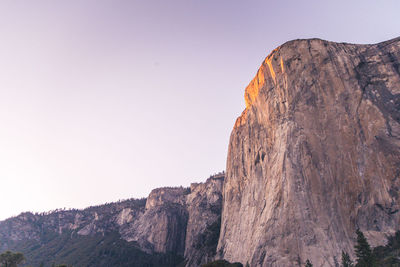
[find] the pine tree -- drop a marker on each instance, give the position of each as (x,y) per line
(11,259)
(346,261)
(363,251)
(308,263)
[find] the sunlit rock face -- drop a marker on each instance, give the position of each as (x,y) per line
(315,155)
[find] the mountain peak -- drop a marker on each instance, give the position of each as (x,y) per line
(315,155)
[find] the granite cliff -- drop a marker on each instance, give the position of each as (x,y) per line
(315,155)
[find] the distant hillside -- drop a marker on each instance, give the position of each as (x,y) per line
(91,250)
(174,225)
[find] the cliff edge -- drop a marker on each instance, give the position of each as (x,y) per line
(315,155)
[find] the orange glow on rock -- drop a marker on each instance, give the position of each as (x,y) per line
(253,88)
(271,68)
(241,120)
(259,80)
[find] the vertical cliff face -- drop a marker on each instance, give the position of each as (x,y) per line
(185,221)
(315,155)
(161,228)
(204,205)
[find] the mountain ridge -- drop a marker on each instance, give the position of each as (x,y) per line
(166,228)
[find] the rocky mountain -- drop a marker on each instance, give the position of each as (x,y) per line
(315,155)
(171,225)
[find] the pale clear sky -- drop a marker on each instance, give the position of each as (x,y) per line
(106,100)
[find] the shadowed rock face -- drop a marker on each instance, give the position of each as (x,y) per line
(181,220)
(162,226)
(204,205)
(174,220)
(315,155)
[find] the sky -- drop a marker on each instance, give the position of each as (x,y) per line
(107,100)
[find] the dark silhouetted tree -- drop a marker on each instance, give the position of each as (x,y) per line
(346,261)
(308,263)
(365,258)
(11,259)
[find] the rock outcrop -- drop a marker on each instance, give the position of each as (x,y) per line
(172,220)
(161,227)
(204,205)
(315,155)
